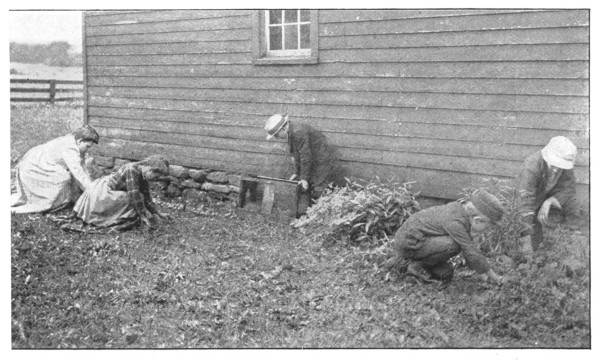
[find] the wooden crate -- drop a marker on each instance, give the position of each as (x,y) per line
(277,199)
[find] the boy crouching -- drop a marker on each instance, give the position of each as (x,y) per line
(431,237)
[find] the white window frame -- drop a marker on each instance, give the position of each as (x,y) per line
(285,52)
(260,45)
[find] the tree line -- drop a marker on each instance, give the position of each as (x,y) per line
(54,54)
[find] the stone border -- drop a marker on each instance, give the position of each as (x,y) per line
(189,183)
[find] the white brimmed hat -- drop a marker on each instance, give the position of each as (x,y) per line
(560,152)
(274,124)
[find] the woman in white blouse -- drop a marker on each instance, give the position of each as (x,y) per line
(52,175)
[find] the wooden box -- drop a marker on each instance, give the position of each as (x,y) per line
(277,199)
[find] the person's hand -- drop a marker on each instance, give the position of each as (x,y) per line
(304,184)
(545,209)
(89,161)
(293,177)
(495,277)
(146,222)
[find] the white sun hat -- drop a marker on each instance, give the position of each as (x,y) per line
(560,152)
(274,124)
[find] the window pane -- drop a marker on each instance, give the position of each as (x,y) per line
(291,16)
(274,38)
(275,16)
(305,36)
(304,15)
(291,37)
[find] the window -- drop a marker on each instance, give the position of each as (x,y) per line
(285,37)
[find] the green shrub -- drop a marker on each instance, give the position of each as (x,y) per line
(360,214)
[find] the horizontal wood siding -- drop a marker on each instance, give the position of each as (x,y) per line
(441,97)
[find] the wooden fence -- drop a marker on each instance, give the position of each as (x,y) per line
(53,88)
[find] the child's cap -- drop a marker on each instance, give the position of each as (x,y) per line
(488,205)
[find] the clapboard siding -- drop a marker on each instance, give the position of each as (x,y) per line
(171,37)
(563,104)
(441,97)
(559,35)
(123,17)
(394,139)
(364,15)
(539,52)
(191,25)
(369,120)
(179,59)
(407,116)
(468,22)
(163,48)
(401,125)
(578,87)
(486,70)
(367,129)
(542,52)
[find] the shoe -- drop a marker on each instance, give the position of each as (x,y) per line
(416,269)
(395,263)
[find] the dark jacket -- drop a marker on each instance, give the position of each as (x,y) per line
(314,158)
(444,220)
(533,180)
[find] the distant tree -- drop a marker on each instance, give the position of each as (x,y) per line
(76,59)
(57,54)
(53,54)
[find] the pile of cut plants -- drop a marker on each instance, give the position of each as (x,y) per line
(360,213)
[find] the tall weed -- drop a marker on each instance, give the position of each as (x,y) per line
(503,238)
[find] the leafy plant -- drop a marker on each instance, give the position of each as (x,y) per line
(360,214)
(503,238)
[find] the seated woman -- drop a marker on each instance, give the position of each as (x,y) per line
(123,196)
(51,176)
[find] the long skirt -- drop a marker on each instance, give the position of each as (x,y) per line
(41,186)
(101,206)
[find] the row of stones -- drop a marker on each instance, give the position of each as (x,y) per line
(183,181)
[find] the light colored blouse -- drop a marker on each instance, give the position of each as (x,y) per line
(49,176)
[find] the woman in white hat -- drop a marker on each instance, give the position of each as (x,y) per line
(547,180)
(315,159)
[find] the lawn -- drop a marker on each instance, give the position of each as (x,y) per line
(212,279)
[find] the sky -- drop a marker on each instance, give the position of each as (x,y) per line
(44,27)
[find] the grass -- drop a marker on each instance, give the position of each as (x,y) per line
(212,279)
(31,125)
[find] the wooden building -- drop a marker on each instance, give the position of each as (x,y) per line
(440,97)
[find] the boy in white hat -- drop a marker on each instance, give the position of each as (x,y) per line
(547,180)
(429,238)
(315,159)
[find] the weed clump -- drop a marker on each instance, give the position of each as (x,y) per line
(503,238)
(360,214)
